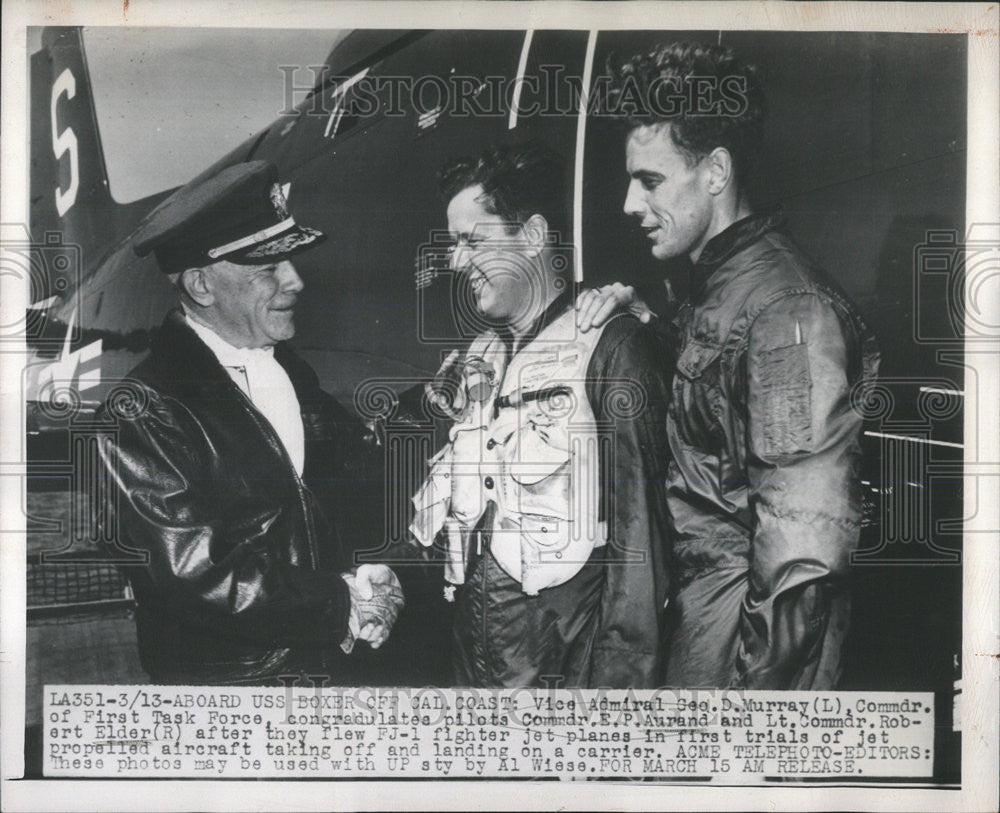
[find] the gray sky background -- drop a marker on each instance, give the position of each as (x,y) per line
(170,101)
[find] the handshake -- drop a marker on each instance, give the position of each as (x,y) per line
(376,599)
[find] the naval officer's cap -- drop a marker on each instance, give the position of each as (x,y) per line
(238,214)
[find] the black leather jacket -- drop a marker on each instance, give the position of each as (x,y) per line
(762,485)
(242,581)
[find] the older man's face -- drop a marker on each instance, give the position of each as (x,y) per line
(255,303)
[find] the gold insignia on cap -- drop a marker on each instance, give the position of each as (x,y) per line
(278,201)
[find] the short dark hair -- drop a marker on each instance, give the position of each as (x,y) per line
(518,180)
(733,97)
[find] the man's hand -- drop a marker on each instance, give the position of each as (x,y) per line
(445,390)
(594,306)
(376,599)
(377,583)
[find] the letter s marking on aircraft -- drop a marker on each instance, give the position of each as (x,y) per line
(65,141)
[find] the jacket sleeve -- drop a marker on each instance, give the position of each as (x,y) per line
(803,449)
(211,563)
(628,388)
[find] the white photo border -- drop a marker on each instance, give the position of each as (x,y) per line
(981,594)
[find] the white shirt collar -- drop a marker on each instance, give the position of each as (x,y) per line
(227,354)
(264,381)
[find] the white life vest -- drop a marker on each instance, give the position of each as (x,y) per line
(531,449)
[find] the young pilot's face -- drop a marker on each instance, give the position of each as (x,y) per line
(670,197)
(501,270)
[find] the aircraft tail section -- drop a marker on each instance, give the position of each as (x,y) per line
(69,184)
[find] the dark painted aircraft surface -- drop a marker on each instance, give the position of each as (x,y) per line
(870,182)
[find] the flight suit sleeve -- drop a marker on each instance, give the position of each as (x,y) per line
(215,564)
(803,450)
(628,386)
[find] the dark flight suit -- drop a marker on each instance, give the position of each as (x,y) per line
(762,485)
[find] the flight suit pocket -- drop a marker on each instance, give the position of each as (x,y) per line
(696,358)
(785,386)
(697,406)
(538,475)
(548,532)
(551,553)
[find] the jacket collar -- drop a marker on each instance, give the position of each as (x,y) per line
(545,318)
(182,361)
(729,242)
(186,365)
